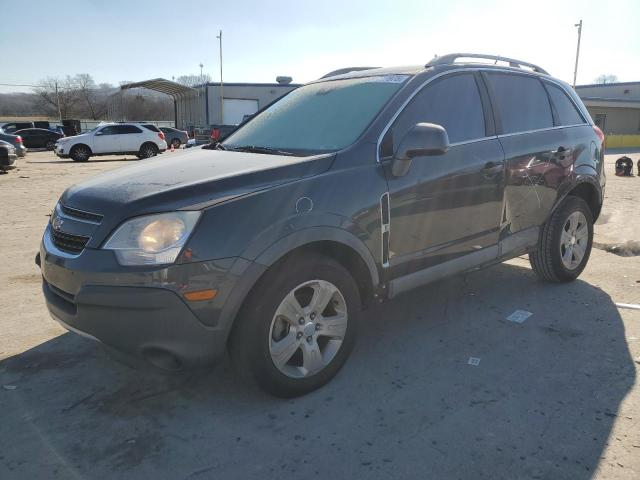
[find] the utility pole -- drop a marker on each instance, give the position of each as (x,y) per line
(58,103)
(575,71)
(219,37)
(201,65)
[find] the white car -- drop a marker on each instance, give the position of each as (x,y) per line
(141,139)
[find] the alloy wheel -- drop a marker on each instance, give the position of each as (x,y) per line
(308,328)
(574,240)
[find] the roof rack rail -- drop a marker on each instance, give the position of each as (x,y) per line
(452,57)
(342,71)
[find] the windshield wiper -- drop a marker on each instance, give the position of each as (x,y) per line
(258,149)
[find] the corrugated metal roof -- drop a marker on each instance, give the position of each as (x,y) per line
(161,85)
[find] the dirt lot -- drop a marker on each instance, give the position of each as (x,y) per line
(554,397)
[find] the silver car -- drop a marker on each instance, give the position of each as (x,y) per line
(16,141)
(175,137)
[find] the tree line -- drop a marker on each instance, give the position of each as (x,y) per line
(78,96)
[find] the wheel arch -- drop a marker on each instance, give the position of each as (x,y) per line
(81,144)
(338,244)
(590,194)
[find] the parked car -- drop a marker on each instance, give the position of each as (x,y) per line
(349,190)
(110,139)
(38,138)
(175,137)
(14,126)
(8,156)
(16,141)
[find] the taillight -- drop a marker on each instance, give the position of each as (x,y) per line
(600,135)
(161,135)
(18,139)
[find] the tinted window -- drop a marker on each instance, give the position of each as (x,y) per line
(566,111)
(123,129)
(522,102)
(153,128)
(453,102)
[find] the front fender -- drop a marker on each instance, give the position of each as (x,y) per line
(299,238)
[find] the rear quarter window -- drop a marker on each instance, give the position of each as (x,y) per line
(153,128)
(566,111)
(522,102)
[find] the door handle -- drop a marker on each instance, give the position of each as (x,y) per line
(491,169)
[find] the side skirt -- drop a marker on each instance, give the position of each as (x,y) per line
(510,247)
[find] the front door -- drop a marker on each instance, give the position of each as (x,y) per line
(448,205)
(107,140)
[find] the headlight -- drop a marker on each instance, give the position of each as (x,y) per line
(152,239)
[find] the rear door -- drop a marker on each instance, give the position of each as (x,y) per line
(539,152)
(131,137)
(449,205)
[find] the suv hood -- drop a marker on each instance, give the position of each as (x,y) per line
(190,180)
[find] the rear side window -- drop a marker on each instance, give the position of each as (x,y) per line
(522,102)
(153,128)
(566,111)
(453,102)
(123,129)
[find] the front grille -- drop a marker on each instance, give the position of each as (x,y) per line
(73,212)
(68,242)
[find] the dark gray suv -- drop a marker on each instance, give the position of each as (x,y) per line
(351,188)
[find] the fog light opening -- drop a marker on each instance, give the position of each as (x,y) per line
(161,358)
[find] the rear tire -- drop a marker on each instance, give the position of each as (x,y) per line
(147,150)
(317,340)
(175,143)
(50,145)
(80,153)
(565,242)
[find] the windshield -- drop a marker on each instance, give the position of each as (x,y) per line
(319,117)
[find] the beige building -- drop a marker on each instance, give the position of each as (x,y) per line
(614,107)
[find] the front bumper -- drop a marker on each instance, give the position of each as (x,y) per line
(61,151)
(140,311)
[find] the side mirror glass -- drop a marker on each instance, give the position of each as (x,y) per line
(423,139)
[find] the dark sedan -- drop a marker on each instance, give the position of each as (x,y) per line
(39,138)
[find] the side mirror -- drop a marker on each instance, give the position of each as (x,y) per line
(423,139)
(99,133)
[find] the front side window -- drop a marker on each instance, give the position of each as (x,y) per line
(319,117)
(566,111)
(111,130)
(452,102)
(522,102)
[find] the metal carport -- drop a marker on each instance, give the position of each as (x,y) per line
(173,89)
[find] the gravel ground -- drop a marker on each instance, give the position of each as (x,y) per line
(554,397)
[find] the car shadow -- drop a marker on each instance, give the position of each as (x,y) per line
(540,404)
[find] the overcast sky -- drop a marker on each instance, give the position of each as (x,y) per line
(135,40)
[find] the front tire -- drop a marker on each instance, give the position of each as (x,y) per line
(298,326)
(80,153)
(565,242)
(50,145)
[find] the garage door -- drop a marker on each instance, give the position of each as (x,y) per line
(235,109)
